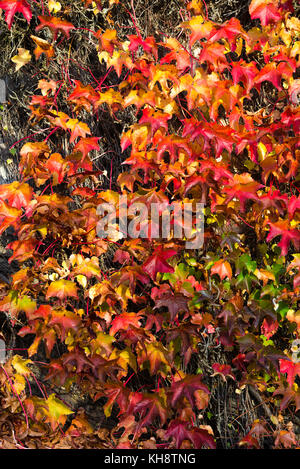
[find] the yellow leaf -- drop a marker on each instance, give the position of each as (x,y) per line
(57,411)
(262,151)
(81,279)
(264,275)
(22,58)
(53,6)
(19,383)
(20,365)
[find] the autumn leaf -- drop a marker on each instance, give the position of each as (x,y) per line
(123,321)
(22,58)
(78,129)
(186,388)
(200,28)
(12,7)
(56,411)
(288,235)
(175,302)
(56,25)
(181,430)
(54,6)
(148,407)
(222,370)
(85,145)
(157,262)
(65,320)
(291,369)
(222,268)
(13,303)
(17,194)
(157,356)
(42,47)
(62,289)
(265,11)
(20,365)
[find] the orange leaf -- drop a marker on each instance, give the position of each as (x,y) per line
(222,268)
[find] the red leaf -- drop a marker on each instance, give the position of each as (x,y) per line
(12,7)
(123,321)
(281,228)
(55,25)
(85,145)
(157,262)
(181,430)
(266,12)
(269,327)
(222,370)
(292,369)
(148,407)
(186,388)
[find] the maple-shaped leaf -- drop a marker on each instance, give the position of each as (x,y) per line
(82,93)
(9,216)
(22,250)
(282,228)
(22,58)
(222,268)
(290,394)
(62,289)
(78,129)
(108,40)
(42,47)
(242,187)
(175,302)
(251,439)
(57,411)
(156,119)
(123,321)
(17,194)
(274,72)
(185,388)
(230,31)
(265,11)
(157,262)
(128,276)
(12,7)
(200,29)
(285,438)
(56,25)
(177,54)
(65,320)
(13,303)
(77,359)
(117,60)
(56,167)
(157,356)
(85,145)
(115,393)
(245,73)
(20,365)
(102,368)
(269,327)
(293,205)
(148,407)
(182,430)
(148,44)
(291,369)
